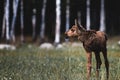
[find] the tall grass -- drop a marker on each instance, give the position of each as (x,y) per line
(68,63)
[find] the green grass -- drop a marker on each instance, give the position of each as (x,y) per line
(68,63)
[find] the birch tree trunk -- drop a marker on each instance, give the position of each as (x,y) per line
(34,24)
(22,22)
(7,21)
(15,7)
(102,17)
(79,17)
(67,16)
(58,22)
(3,26)
(42,31)
(88,14)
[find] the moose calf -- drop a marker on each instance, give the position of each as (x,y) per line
(93,41)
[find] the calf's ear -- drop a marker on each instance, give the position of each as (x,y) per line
(79,25)
(82,28)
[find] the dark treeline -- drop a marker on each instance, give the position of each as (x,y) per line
(112,15)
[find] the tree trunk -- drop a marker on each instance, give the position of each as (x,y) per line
(79,17)
(88,14)
(102,17)
(34,24)
(3,27)
(42,31)
(67,14)
(22,22)
(15,7)
(58,22)
(7,21)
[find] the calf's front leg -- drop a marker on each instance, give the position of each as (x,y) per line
(89,62)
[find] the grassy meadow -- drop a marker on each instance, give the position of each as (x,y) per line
(29,62)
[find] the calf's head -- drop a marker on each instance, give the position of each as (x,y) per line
(75,30)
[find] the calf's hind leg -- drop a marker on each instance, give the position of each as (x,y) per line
(98,63)
(106,62)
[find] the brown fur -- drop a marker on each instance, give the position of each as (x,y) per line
(93,41)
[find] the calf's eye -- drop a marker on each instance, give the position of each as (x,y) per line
(72,30)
